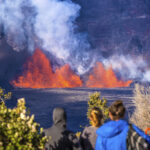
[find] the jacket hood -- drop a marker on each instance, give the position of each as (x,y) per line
(59,117)
(112,128)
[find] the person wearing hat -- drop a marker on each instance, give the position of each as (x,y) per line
(59,138)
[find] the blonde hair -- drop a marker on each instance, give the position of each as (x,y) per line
(96,117)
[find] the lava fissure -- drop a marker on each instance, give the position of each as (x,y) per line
(38,73)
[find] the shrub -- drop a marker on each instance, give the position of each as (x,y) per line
(141,101)
(18,130)
(96,101)
(3,95)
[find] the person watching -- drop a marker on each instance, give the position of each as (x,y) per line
(88,136)
(114,134)
(59,138)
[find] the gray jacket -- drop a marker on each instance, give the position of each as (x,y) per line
(59,137)
(88,138)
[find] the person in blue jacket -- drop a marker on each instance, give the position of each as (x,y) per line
(112,135)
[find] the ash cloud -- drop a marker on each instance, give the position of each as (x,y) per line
(15,24)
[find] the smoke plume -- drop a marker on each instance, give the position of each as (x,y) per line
(127,66)
(48,24)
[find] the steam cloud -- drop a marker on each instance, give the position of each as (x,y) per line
(48,24)
(127,66)
(118,32)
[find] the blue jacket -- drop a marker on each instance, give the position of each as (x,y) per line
(112,135)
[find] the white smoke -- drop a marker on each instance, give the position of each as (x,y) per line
(54,25)
(146,76)
(12,18)
(129,67)
(48,24)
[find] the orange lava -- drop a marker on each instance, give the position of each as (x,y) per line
(105,78)
(38,74)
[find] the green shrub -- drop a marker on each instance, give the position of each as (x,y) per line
(96,101)
(3,95)
(18,130)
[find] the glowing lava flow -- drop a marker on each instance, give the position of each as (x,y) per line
(105,78)
(38,74)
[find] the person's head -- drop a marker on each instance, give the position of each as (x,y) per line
(117,110)
(96,117)
(59,116)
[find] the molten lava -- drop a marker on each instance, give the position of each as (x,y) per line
(38,74)
(101,77)
(66,78)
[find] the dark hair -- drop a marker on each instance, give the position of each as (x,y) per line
(117,110)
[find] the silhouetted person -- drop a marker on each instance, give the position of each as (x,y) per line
(88,136)
(59,137)
(113,135)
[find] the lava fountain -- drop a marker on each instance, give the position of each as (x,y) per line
(38,74)
(105,78)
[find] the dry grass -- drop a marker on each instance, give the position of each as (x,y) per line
(141,101)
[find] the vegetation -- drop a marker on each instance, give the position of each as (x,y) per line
(141,102)
(96,101)
(18,130)
(4,96)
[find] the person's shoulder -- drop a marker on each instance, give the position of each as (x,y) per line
(113,122)
(47,131)
(86,129)
(112,126)
(91,128)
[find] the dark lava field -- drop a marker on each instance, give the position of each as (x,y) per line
(41,103)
